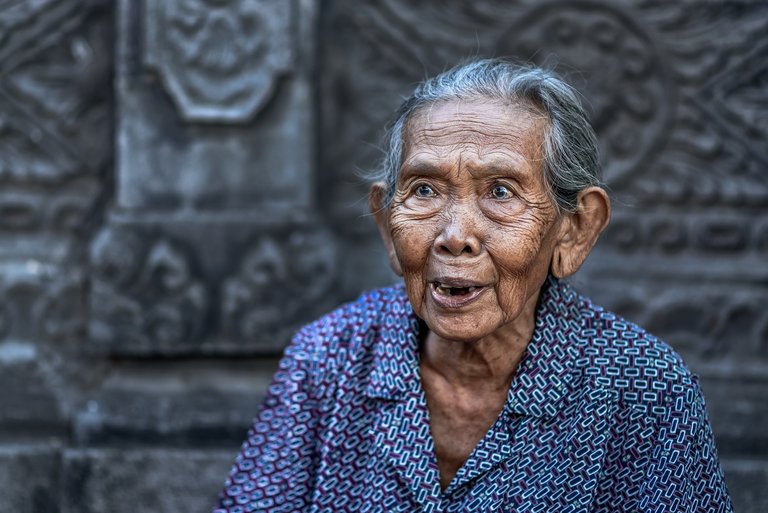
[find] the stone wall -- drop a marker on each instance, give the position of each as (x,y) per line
(181,190)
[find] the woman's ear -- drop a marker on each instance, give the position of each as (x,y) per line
(580,231)
(377,204)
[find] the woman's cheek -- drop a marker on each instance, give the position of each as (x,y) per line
(412,242)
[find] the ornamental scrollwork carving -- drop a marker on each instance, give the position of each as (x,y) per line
(42,302)
(219,60)
(277,278)
(144,293)
(614,64)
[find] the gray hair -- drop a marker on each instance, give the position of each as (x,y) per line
(571,162)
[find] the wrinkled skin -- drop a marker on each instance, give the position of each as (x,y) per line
(474,231)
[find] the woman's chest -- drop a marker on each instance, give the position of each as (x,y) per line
(457,425)
(382,456)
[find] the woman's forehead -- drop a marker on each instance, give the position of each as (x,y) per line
(475,130)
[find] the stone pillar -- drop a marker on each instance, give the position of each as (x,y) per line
(213,244)
(212,252)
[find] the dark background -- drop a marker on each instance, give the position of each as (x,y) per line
(181,189)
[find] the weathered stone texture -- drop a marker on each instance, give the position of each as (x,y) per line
(748,484)
(175,403)
(151,480)
(29,478)
(28,397)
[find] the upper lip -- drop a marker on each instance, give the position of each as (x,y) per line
(447,281)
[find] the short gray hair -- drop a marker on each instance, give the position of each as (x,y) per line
(571,162)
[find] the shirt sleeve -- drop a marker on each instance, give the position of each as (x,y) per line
(686,475)
(274,471)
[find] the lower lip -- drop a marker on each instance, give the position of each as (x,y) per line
(452,302)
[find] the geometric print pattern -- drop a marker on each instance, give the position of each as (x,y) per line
(601,417)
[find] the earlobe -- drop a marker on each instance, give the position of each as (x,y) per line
(376,203)
(581,230)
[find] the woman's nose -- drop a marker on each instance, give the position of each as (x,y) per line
(459,235)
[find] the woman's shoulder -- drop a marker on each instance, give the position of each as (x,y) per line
(370,310)
(349,333)
(618,354)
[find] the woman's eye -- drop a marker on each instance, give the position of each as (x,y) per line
(501,192)
(424,191)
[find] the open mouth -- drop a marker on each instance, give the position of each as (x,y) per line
(445,290)
(455,294)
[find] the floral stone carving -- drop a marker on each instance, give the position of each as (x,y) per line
(144,293)
(218,59)
(275,281)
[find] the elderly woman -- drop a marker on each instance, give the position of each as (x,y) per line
(483,382)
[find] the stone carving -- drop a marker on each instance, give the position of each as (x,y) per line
(712,325)
(726,233)
(219,60)
(159,289)
(144,293)
(41,302)
(714,155)
(55,90)
(28,153)
(604,48)
(61,310)
(64,210)
(275,281)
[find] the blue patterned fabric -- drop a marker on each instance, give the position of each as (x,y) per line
(601,417)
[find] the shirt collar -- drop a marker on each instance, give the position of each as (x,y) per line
(544,374)
(396,351)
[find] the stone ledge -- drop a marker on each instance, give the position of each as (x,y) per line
(36,467)
(153,480)
(747,482)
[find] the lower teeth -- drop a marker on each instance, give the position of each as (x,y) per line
(455,291)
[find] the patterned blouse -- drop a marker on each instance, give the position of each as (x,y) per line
(601,416)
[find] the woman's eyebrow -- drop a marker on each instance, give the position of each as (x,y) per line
(508,169)
(421,168)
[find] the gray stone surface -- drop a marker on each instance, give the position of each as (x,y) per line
(28,397)
(225,81)
(188,403)
(213,244)
(747,482)
(157,289)
(151,481)
(30,475)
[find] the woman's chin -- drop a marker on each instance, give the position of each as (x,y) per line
(457,330)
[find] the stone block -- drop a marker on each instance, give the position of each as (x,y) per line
(747,482)
(210,122)
(29,478)
(738,413)
(208,284)
(147,480)
(26,393)
(175,403)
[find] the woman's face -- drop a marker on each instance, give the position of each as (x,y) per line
(472,223)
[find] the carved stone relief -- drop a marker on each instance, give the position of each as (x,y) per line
(275,280)
(145,293)
(195,75)
(597,47)
(55,78)
(155,290)
(212,238)
(218,60)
